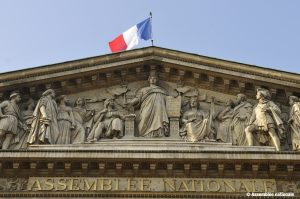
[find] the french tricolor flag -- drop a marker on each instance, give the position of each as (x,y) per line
(131,37)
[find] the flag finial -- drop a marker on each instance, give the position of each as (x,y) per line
(151,28)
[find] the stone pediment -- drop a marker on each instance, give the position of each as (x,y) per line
(123,77)
(149,122)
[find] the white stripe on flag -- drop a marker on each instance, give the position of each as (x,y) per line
(131,37)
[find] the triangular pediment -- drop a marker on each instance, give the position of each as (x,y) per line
(149,123)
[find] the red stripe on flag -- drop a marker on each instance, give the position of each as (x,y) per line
(118,44)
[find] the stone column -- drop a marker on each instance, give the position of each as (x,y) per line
(129,127)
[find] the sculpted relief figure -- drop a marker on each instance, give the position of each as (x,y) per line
(27,115)
(153,119)
(225,117)
(294,122)
(44,127)
(109,123)
(195,123)
(10,121)
(240,119)
(265,120)
(70,130)
(82,115)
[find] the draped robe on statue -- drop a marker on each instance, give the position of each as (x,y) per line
(240,119)
(223,133)
(44,129)
(196,127)
(295,125)
(153,118)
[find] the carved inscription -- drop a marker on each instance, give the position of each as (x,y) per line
(152,184)
(173,105)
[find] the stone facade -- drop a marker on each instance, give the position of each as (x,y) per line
(147,123)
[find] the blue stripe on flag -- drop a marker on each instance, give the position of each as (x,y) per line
(144,29)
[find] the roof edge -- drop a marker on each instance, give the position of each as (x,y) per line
(153,50)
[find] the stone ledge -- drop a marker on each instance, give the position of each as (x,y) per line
(153,145)
(151,149)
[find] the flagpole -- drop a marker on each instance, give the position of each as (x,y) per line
(151,28)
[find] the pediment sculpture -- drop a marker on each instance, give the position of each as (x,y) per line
(148,110)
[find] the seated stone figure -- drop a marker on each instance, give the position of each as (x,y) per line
(109,123)
(265,121)
(195,123)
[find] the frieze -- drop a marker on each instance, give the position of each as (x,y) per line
(148,185)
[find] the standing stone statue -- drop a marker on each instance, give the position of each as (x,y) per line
(44,127)
(10,120)
(294,122)
(65,120)
(109,123)
(225,117)
(71,131)
(82,115)
(265,120)
(195,123)
(27,115)
(153,119)
(240,119)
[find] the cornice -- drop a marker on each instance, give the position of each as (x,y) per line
(144,53)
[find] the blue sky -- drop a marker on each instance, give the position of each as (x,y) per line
(259,32)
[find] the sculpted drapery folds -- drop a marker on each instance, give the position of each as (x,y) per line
(225,117)
(109,123)
(27,116)
(70,130)
(195,123)
(50,123)
(82,115)
(294,122)
(240,119)
(153,119)
(27,113)
(10,121)
(44,127)
(265,120)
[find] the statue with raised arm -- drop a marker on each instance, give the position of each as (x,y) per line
(44,127)
(265,120)
(240,118)
(294,122)
(152,119)
(109,123)
(10,120)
